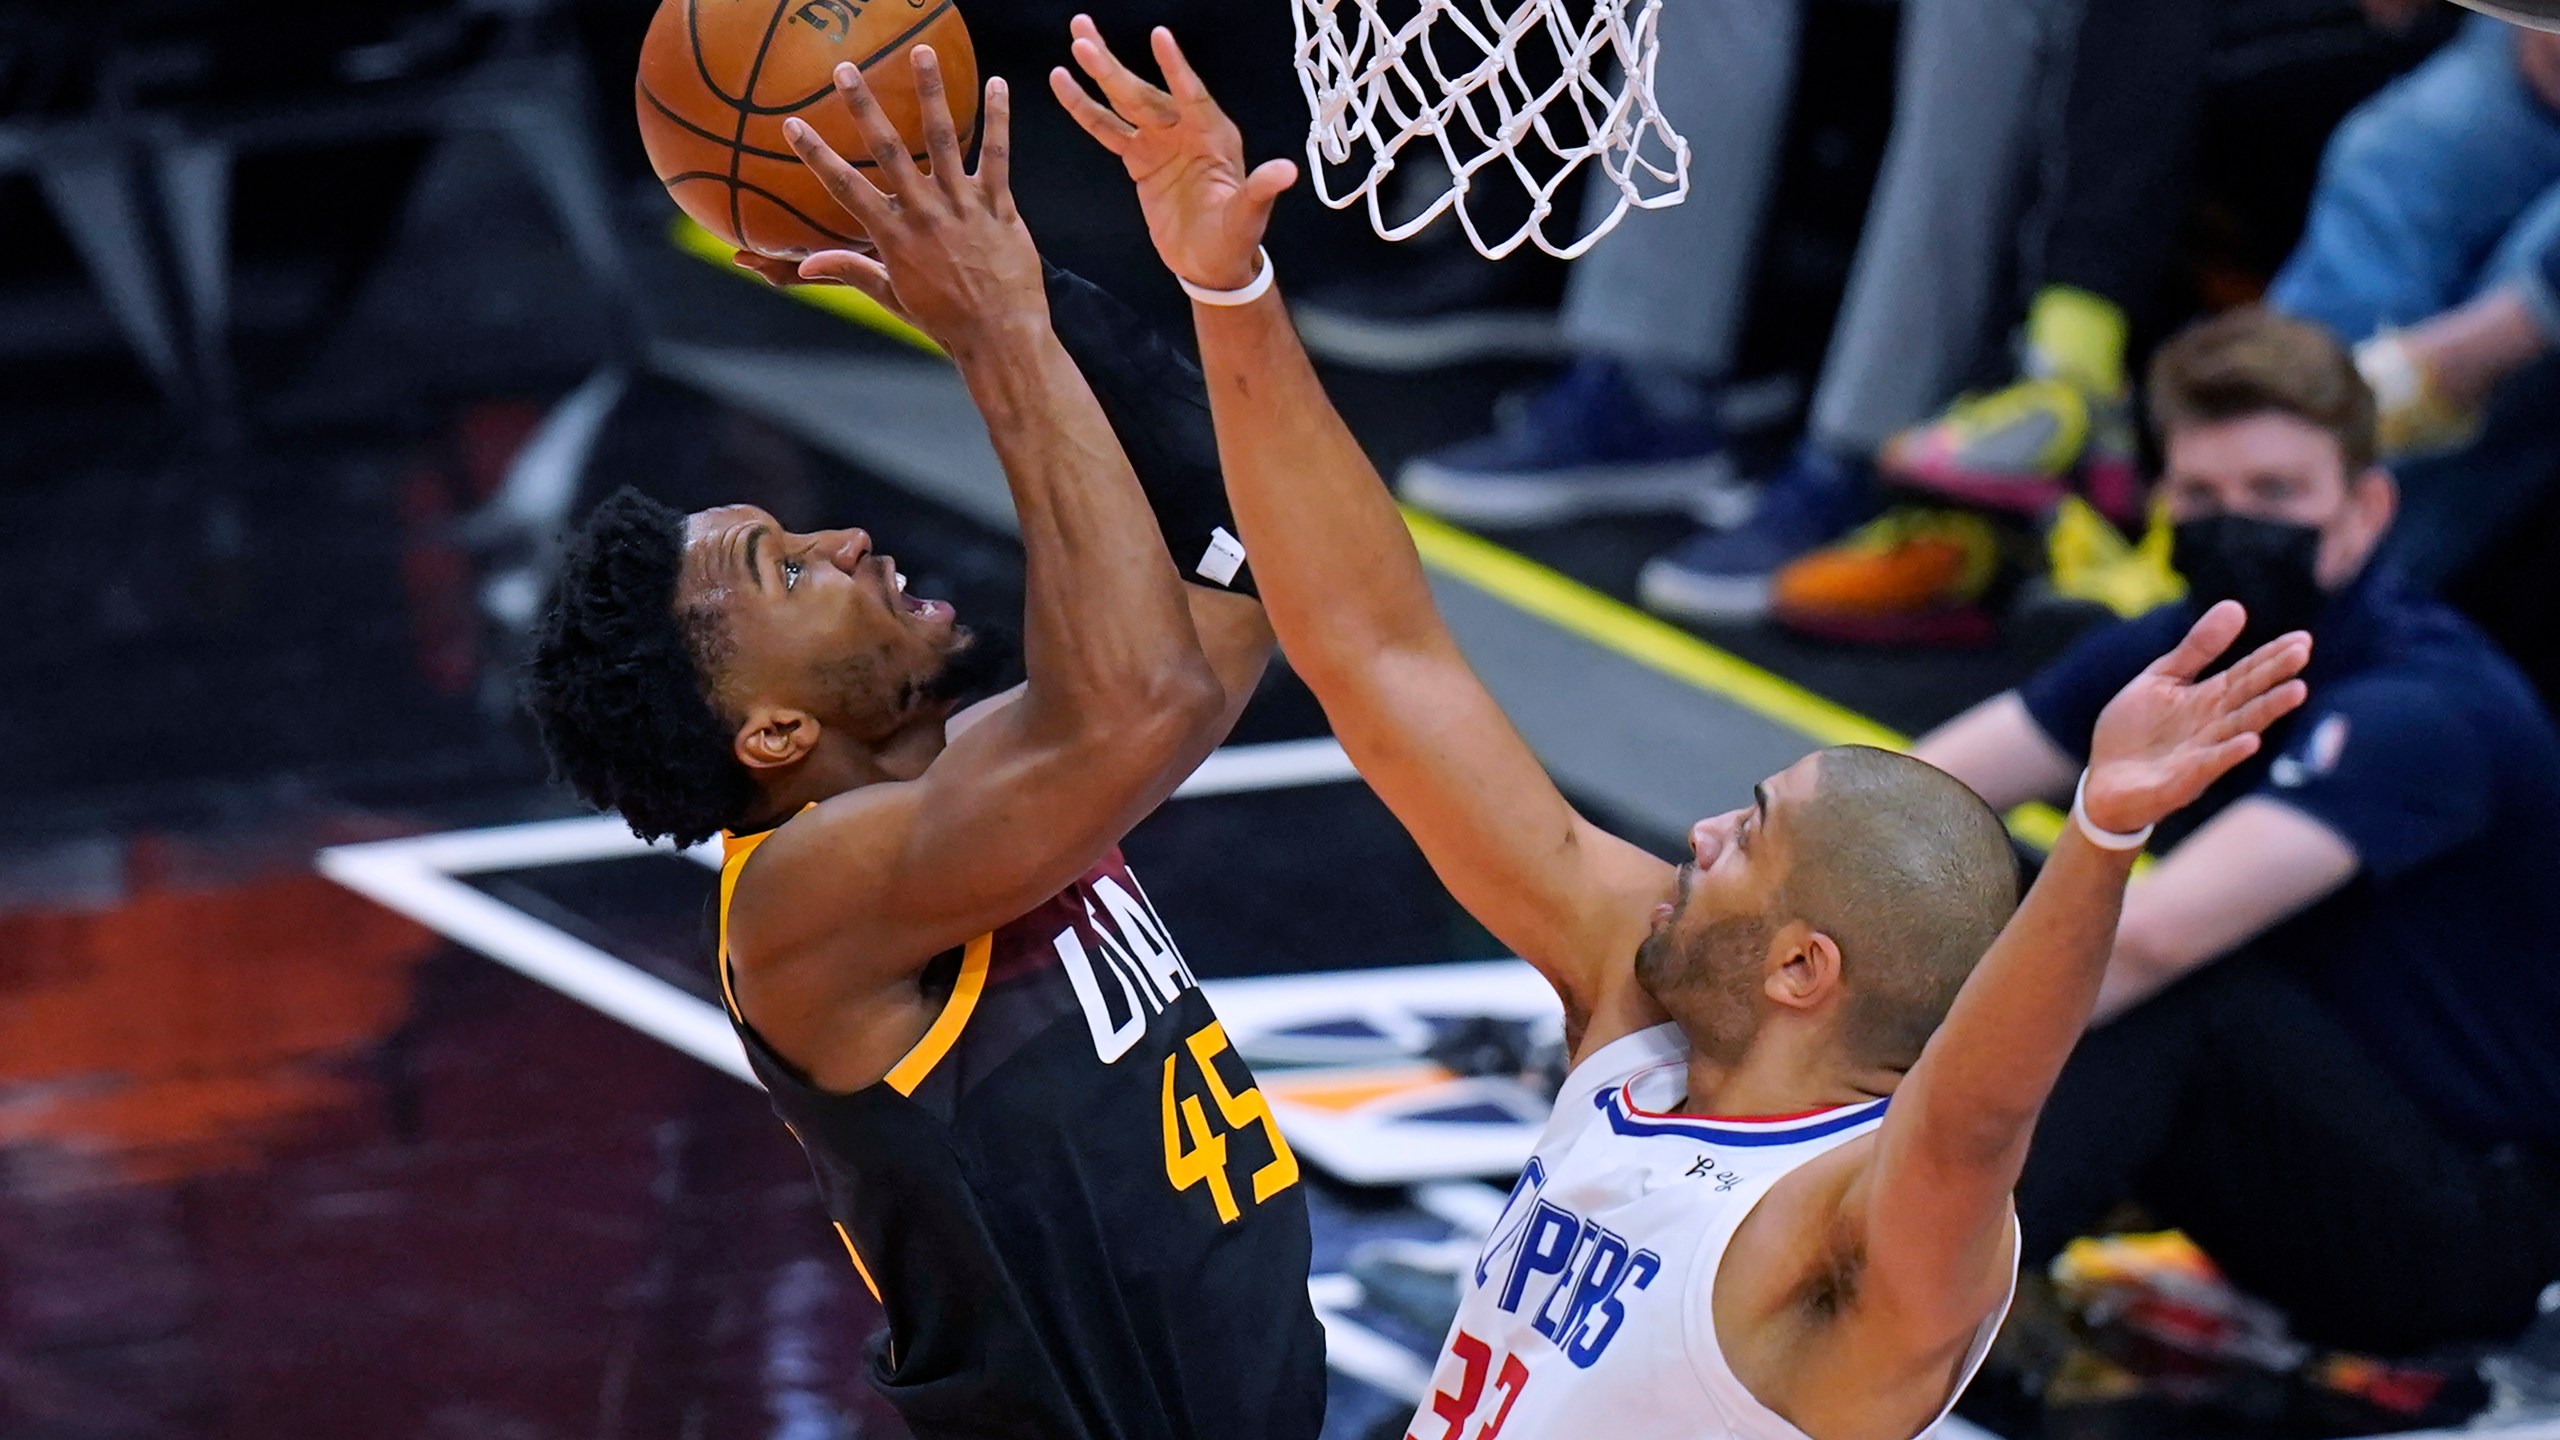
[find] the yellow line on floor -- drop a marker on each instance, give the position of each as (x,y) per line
(1519,582)
(842,301)
(1667,649)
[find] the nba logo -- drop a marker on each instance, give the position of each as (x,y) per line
(831,18)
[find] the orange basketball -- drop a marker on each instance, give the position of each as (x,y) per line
(718,78)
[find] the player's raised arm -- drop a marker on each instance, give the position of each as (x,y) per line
(1118,693)
(1932,1207)
(1339,574)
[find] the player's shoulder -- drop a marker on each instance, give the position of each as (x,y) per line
(813,876)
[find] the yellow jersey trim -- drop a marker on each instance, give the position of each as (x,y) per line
(858,1267)
(908,1073)
(734,853)
(919,1061)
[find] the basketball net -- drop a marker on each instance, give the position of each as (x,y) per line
(1520,83)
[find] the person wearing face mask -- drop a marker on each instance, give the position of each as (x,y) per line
(2328,1045)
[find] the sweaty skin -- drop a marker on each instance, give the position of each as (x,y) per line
(1851,1294)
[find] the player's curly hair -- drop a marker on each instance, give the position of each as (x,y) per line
(620,685)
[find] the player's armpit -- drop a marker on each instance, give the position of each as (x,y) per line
(1937,1246)
(1568,897)
(1810,1327)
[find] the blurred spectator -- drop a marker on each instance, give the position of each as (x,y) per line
(2446,185)
(1654,313)
(2329,1044)
(2101,238)
(2438,206)
(2433,380)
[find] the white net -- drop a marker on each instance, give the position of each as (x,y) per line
(1529,91)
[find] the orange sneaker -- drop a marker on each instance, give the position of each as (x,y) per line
(1913,576)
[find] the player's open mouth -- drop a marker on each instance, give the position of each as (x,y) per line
(921,609)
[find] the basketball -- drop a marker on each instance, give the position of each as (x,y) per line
(718,78)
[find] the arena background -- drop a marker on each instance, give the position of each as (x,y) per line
(351,1081)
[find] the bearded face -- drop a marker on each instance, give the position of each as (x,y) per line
(1706,974)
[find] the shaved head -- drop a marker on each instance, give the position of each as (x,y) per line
(1912,875)
(1888,862)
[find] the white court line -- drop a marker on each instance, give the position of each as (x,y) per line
(1279,765)
(414,876)
(1360,1352)
(404,882)
(1235,770)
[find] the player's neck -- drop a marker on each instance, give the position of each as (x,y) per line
(1780,1075)
(837,766)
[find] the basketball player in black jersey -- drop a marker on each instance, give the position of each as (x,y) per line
(1042,1154)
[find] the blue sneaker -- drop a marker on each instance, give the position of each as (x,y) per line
(1815,500)
(1587,444)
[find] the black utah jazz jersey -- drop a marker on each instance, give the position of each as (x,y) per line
(1070,1196)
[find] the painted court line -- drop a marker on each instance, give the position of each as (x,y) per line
(416,877)
(1576,608)
(404,881)
(842,301)
(1235,770)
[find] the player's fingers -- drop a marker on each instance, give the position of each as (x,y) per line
(1135,99)
(853,189)
(2264,668)
(2263,711)
(1179,78)
(2212,634)
(888,149)
(995,145)
(825,267)
(941,136)
(1095,117)
(1269,181)
(847,267)
(2231,752)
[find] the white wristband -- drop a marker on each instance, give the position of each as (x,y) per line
(2103,839)
(1260,287)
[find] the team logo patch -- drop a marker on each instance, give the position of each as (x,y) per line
(2318,755)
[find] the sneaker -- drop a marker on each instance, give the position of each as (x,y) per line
(1725,577)
(2089,562)
(1585,445)
(1914,575)
(2021,449)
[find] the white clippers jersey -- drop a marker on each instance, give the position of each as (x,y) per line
(1590,1311)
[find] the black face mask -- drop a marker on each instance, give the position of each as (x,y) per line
(2266,565)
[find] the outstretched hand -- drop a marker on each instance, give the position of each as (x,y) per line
(1204,210)
(947,250)
(2168,735)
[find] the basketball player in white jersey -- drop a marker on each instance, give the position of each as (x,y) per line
(1773,1200)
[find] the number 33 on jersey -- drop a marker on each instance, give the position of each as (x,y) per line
(1591,1309)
